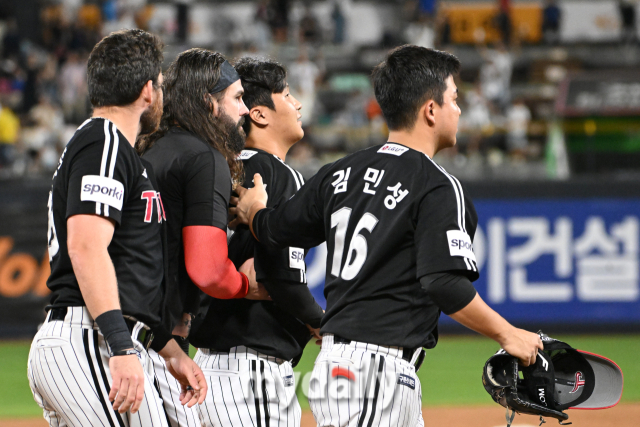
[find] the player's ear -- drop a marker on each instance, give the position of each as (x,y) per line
(259,115)
(212,104)
(428,111)
(146,94)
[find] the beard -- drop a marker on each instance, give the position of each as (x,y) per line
(235,135)
(150,118)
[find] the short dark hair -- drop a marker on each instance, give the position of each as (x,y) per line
(407,78)
(260,79)
(120,65)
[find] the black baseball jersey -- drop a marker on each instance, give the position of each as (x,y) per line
(390,215)
(100,173)
(195,183)
(260,325)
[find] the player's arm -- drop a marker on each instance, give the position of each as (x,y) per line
(187,372)
(91,219)
(455,295)
(446,264)
(204,233)
(297,300)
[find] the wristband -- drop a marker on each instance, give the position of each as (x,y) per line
(115,332)
(183,343)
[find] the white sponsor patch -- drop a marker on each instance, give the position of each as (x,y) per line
(101,189)
(296,258)
(247,154)
(460,244)
(395,149)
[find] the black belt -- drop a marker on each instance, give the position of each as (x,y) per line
(407,353)
(144,337)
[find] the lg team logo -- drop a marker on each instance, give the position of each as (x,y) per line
(150,196)
(579,382)
(395,149)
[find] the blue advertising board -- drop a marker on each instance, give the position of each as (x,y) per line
(565,261)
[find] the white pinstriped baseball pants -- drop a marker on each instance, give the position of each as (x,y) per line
(169,387)
(69,375)
(364,385)
(247,389)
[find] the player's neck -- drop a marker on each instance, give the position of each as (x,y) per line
(126,119)
(269,143)
(416,139)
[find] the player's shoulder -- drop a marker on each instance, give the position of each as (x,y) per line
(101,136)
(180,146)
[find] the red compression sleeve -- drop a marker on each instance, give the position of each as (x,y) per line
(206,257)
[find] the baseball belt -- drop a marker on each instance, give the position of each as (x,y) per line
(407,353)
(144,336)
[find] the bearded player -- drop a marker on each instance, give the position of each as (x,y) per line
(88,364)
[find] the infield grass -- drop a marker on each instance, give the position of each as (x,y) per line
(450,374)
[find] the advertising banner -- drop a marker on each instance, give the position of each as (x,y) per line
(551,262)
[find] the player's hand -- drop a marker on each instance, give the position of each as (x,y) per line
(257,291)
(248,202)
(315,333)
(522,344)
(189,375)
(127,388)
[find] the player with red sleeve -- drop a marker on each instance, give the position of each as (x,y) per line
(193,155)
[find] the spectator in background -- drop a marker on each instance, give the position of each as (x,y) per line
(503,21)
(9,132)
(551,16)
(628,19)
(495,75)
(279,19)
(42,136)
(73,88)
(310,31)
(304,74)
(518,119)
(261,33)
(339,22)
(11,40)
(29,92)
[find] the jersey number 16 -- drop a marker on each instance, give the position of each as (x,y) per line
(357,254)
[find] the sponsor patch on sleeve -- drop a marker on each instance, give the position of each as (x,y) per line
(395,149)
(407,381)
(460,244)
(101,189)
(296,258)
(247,154)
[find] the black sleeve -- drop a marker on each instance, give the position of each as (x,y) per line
(98,181)
(297,222)
(450,291)
(441,239)
(295,299)
(207,191)
(161,336)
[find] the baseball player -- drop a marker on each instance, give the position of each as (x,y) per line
(88,364)
(193,154)
(399,233)
(248,349)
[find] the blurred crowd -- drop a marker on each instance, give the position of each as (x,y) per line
(43,91)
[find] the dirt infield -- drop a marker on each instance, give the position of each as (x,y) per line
(623,415)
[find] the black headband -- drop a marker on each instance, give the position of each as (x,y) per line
(228,76)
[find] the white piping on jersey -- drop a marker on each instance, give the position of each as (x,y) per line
(105,156)
(298,179)
(457,188)
(84,123)
(114,157)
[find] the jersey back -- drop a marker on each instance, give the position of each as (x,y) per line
(389,215)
